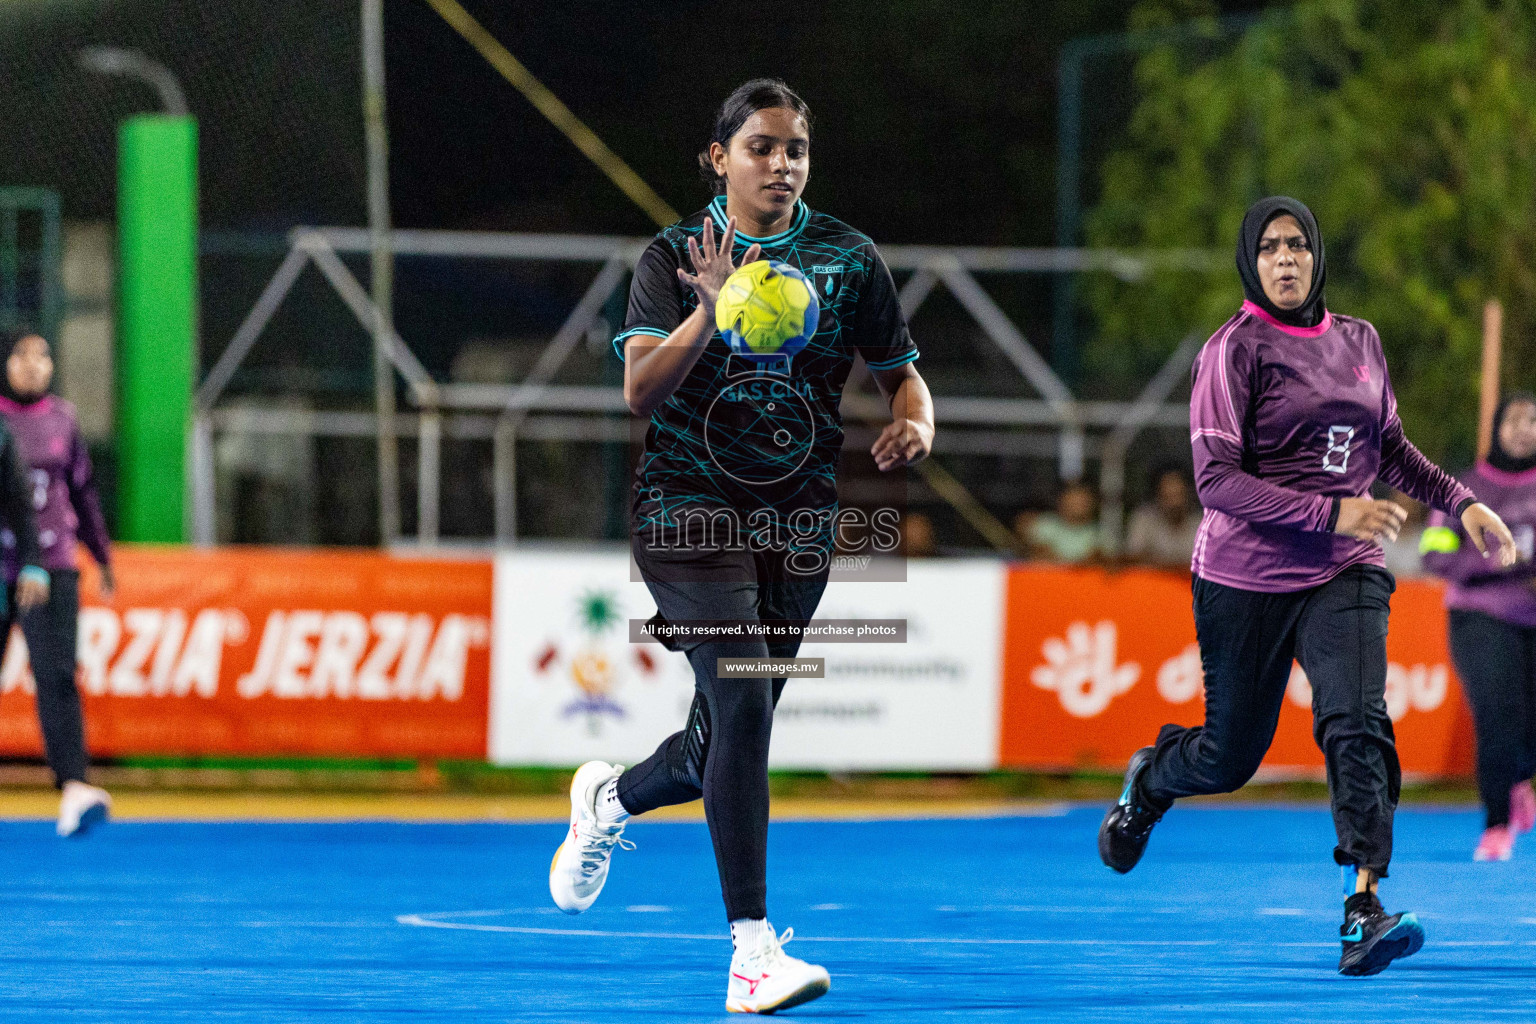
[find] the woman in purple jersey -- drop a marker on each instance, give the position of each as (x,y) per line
(67,508)
(1493,627)
(1292,419)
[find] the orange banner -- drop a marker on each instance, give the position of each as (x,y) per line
(1094,663)
(272,652)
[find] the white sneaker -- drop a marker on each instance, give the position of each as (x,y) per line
(765,979)
(81,807)
(580,866)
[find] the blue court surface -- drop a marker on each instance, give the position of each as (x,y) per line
(1233,916)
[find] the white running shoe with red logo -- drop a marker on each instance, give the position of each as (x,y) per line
(764,979)
(580,866)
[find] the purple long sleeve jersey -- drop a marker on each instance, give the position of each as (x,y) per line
(1479,584)
(62,483)
(1283,421)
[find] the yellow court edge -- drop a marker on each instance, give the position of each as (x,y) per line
(129,805)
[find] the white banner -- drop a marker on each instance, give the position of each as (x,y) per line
(567,686)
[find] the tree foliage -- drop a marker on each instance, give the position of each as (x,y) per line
(1409,127)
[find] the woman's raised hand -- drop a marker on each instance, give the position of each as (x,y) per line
(711,265)
(1481,523)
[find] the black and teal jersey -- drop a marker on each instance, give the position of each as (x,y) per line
(749,436)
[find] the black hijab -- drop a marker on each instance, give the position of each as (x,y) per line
(1309,313)
(8,342)
(1498,458)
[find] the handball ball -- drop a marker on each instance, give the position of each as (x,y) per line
(767,310)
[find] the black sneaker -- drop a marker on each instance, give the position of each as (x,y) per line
(1372,939)
(1126,828)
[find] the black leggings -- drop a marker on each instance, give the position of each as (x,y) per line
(1497,665)
(722,752)
(1338,632)
(50,633)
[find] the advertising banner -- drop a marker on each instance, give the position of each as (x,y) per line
(570,686)
(269,652)
(259,651)
(1095,663)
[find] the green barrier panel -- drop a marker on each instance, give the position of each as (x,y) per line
(157,322)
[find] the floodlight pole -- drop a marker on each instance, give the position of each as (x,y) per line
(132,64)
(382,266)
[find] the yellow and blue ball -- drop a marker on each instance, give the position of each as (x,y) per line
(767,310)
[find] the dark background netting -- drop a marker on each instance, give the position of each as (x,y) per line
(935,124)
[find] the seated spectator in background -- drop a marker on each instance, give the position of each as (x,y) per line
(1162,531)
(1403,558)
(1069,534)
(917,539)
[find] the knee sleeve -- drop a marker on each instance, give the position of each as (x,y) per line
(685,759)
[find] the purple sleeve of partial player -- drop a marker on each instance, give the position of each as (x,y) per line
(1405,467)
(1480,584)
(87,502)
(1223,385)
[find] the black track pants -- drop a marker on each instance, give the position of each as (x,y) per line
(1338,633)
(1497,665)
(50,633)
(722,753)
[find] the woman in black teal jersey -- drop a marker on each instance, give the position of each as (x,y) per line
(735,500)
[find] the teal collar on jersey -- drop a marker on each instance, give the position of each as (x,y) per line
(796,225)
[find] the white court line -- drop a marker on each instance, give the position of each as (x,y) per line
(425,921)
(422,921)
(437,921)
(452,921)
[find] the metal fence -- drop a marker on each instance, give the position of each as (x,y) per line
(1062,427)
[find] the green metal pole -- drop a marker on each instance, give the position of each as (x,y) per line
(157,322)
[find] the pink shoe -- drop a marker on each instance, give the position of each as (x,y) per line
(1522,808)
(1498,843)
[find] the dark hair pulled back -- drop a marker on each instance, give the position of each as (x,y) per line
(746,100)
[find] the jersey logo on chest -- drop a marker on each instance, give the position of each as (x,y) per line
(828,279)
